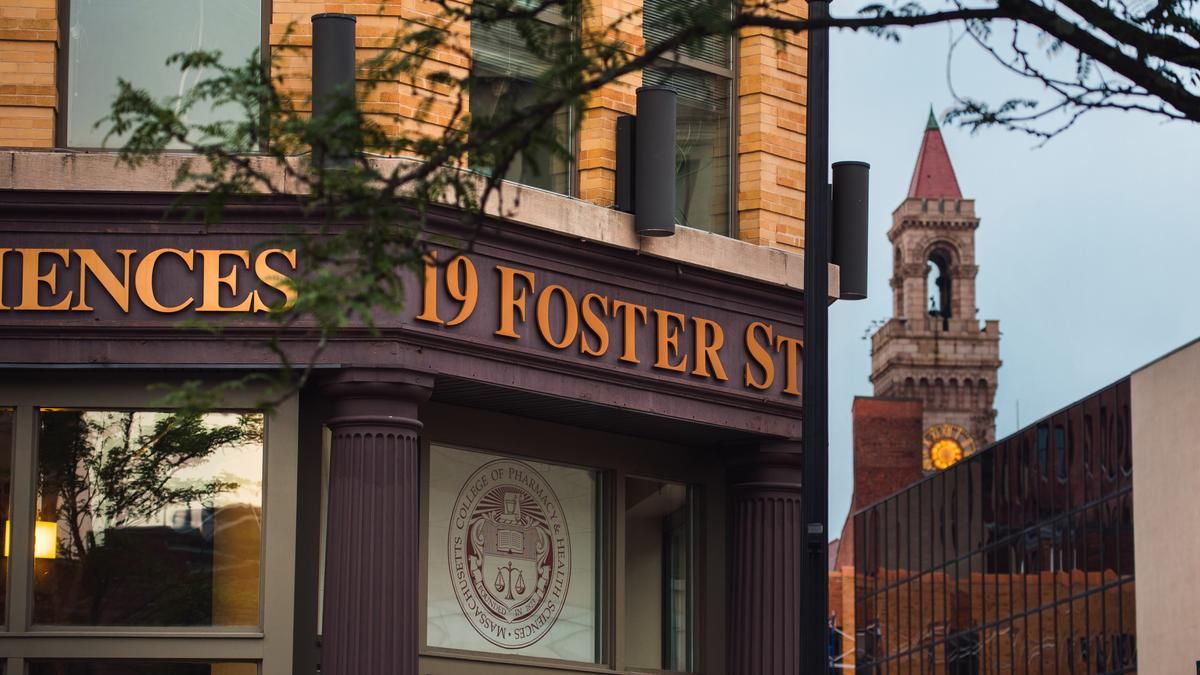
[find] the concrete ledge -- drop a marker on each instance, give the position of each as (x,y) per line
(99,171)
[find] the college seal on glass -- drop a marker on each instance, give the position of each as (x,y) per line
(509,553)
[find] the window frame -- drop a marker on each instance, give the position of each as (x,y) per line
(521,438)
(62,76)
(269,644)
(555,19)
(602,523)
(673,59)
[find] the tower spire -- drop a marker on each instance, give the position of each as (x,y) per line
(933,176)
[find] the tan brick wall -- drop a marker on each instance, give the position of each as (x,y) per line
(395,105)
(770,134)
(28,37)
(598,126)
(771,91)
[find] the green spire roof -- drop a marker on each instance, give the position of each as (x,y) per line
(932,123)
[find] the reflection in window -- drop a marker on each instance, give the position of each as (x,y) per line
(658,575)
(505,80)
(6,451)
(997,610)
(702,145)
(132,39)
(159,518)
(139,668)
(701,73)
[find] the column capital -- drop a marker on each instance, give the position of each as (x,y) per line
(377,396)
(767,466)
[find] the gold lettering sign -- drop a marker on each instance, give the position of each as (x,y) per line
(594,324)
(44,286)
(523,308)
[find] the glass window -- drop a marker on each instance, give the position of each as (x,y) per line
(1061,461)
(506,77)
(887,538)
(7,419)
(132,39)
(702,162)
(701,72)
(512,556)
(1043,450)
(878,538)
(658,575)
(903,537)
(139,668)
(157,518)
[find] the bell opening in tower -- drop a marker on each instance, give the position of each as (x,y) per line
(939,299)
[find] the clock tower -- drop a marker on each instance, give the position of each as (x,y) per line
(934,348)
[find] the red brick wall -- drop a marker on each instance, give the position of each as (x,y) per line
(887,457)
(887,447)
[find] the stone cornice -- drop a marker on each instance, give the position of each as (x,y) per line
(901,226)
(531,207)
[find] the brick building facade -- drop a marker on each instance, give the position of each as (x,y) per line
(594,467)
(768,117)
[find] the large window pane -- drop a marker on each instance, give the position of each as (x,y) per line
(139,668)
(132,39)
(702,166)
(658,575)
(505,81)
(512,556)
(157,518)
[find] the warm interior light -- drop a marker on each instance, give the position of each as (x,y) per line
(45,539)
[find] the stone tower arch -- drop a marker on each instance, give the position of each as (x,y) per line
(948,359)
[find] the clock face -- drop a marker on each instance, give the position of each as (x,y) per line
(945,444)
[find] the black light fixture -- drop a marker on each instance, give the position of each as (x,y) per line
(646,162)
(332,59)
(851,181)
(626,130)
(332,66)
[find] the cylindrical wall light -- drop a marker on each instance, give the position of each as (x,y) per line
(626,129)
(851,181)
(654,162)
(332,60)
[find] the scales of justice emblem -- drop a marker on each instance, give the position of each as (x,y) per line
(509,554)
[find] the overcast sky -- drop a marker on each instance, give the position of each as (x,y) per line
(1088,247)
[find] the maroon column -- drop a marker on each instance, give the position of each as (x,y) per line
(370,622)
(768,550)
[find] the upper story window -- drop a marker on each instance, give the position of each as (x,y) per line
(702,74)
(132,39)
(506,78)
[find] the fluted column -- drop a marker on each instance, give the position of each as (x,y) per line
(370,622)
(768,551)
